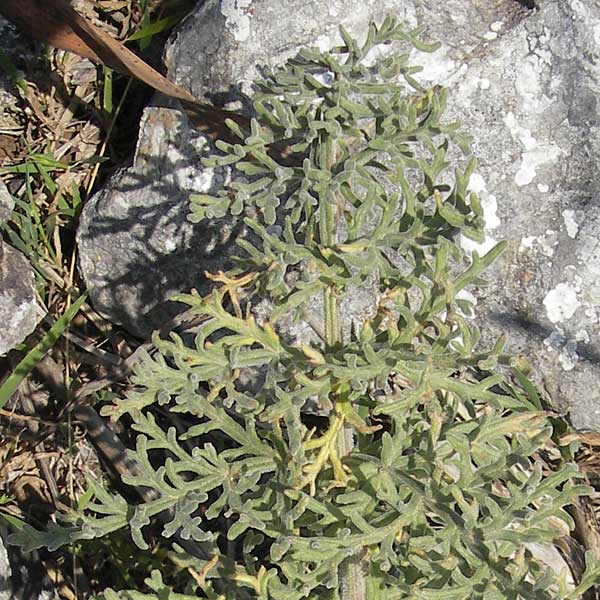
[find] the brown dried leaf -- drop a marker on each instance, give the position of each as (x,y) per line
(55,22)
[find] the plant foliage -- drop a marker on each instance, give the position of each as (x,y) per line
(321,456)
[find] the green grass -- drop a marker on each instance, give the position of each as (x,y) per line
(35,355)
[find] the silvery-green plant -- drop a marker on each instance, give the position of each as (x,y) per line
(318,455)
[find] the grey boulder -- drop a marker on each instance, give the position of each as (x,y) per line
(136,246)
(528,100)
(522,83)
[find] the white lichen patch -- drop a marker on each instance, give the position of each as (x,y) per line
(535,153)
(568,357)
(189,177)
(533,159)
(543,188)
(237,18)
(490,210)
(529,83)
(324,42)
(437,66)
(468,86)
(484,83)
(489,206)
(476,183)
(561,303)
(570,223)
(527,243)
(488,201)
(469,245)
(520,133)
(547,242)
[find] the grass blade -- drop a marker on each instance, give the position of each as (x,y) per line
(35,355)
(151,29)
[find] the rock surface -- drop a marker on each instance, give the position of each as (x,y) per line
(5,574)
(522,83)
(19,310)
(529,103)
(7,203)
(136,245)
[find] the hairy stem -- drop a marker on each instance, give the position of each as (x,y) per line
(352,579)
(332,325)
(351,575)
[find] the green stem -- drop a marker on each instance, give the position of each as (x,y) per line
(332,325)
(351,575)
(352,579)
(326,222)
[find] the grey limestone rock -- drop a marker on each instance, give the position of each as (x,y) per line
(136,245)
(7,203)
(5,574)
(528,101)
(19,312)
(522,82)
